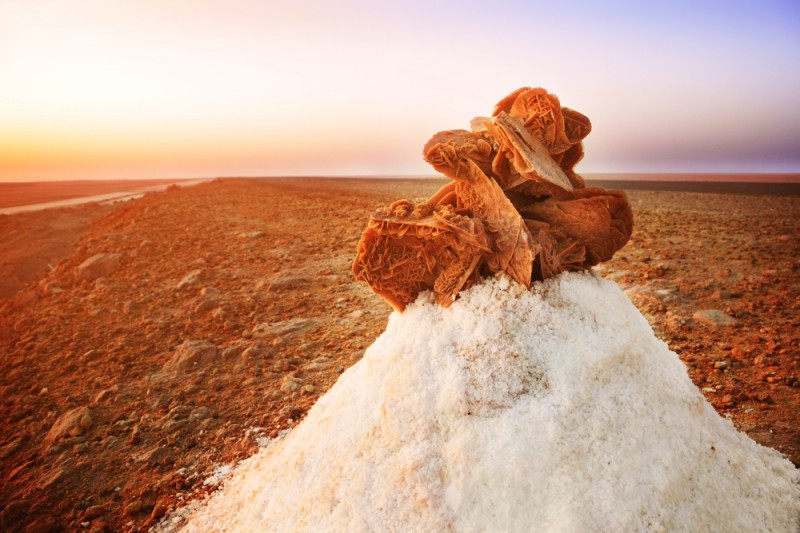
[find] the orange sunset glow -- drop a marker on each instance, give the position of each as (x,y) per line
(99,89)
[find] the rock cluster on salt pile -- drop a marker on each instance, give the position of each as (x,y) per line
(549,409)
(515,205)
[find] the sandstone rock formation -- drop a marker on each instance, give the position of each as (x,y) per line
(515,205)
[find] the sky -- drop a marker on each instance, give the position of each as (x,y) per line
(177,88)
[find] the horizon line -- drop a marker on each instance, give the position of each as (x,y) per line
(608,175)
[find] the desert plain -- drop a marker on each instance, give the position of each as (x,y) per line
(146,345)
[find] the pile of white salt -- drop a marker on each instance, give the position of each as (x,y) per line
(554,409)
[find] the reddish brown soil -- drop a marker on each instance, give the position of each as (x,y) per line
(271,289)
(35,242)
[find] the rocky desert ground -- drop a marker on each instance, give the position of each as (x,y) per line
(148,345)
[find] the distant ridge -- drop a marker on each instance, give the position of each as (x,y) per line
(718,187)
(752,184)
(752,177)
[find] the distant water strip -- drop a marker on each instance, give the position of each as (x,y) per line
(98,198)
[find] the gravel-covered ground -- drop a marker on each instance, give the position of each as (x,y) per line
(212,317)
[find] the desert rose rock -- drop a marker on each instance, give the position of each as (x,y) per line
(515,205)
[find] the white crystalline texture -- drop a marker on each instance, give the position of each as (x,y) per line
(554,409)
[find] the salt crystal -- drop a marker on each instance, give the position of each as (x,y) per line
(554,409)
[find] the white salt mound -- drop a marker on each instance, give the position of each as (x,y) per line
(554,409)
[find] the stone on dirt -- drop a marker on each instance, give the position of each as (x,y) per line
(285,327)
(10,448)
(251,234)
(94,511)
(56,476)
(190,355)
(714,318)
(191,279)
(73,423)
(159,455)
(98,266)
(291,384)
(207,304)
